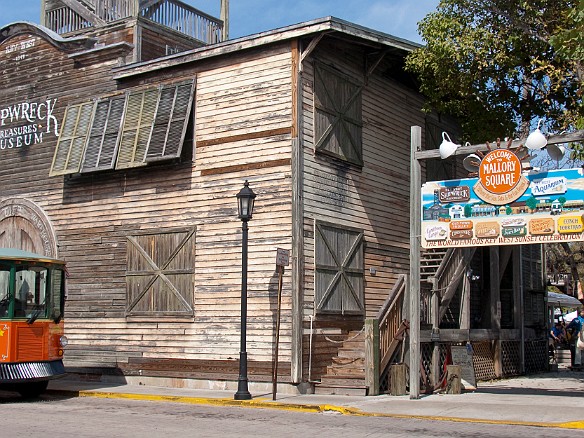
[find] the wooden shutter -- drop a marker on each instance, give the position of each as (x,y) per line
(100,153)
(339,270)
(137,126)
(160,274)
(337,115)
(170,124)
(72,139)
(531,258)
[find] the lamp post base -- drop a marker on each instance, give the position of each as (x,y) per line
(242,395)
(242,389)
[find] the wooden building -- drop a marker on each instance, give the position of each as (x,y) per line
(124,140)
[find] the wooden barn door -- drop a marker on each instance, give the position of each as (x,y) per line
(17,232)
(339,270)
(160,275)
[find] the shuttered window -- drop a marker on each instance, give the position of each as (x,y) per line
(137,126)
(124,131)
(100,152)
(337,115)
(72,139)
(531,258)
(170,124)
(160,274)
(339,270)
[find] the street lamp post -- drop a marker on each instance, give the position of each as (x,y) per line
(245,200)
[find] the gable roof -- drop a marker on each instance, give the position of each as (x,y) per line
(327,25)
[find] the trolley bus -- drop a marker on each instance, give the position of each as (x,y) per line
(32,300)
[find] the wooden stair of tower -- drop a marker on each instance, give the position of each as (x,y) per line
(346,374)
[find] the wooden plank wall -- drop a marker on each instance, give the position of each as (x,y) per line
(374,198)
(242,131)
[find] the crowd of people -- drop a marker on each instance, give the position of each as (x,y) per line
(571,335)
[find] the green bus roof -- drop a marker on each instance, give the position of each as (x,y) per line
(18,254)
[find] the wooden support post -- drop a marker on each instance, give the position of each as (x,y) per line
(435,373)
(398,378)
(372,356)
(496,307)
(415,247)
(453,379)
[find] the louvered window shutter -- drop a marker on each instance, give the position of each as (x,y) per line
(71,144)
(171,121)
(160,270)
(100,153)
(137,127)
(339,260)
(337,115)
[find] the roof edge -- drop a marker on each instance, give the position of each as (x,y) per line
(325,24)
(66,44)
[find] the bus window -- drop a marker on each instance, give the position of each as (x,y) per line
(31,288)
(4,291)
(57,294)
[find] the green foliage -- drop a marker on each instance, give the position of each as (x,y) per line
(495,65)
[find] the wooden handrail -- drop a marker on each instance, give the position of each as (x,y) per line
(390,320)
(173,14)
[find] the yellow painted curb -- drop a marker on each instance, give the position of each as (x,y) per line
(264,403)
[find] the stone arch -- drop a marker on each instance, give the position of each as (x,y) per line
(24,225)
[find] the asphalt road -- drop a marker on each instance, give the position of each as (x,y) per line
(90,417)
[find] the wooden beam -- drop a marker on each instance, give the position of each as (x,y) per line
(78,8)
(466,150)
(244,167)
(415,247)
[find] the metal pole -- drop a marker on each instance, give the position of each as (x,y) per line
(242,388)
(275,366)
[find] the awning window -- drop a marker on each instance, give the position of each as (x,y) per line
(124,131)
(168,132)
(101,149)
(71,143)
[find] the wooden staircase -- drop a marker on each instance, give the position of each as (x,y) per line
(430,261)
(346,374)
(440,269)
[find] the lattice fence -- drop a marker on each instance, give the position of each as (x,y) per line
(536,360)
(511,358)
(482,360)
(536,356)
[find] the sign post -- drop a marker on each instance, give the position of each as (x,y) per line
(282,260)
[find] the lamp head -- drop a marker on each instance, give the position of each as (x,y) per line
(447,147)
(245,201)
(556,152)
(536,140)
(472,163)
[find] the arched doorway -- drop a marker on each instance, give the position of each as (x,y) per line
(24,225)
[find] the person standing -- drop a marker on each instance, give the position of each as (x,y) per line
(576,328)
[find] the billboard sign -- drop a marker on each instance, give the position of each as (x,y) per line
(504,206)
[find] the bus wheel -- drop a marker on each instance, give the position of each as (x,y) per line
(32,389)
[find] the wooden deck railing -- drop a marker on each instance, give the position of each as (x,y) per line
(65,20)
(173,14)
(185,19)
(390,319)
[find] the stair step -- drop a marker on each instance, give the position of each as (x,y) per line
(334,372)
(343,380)
(347,353)
(321,389)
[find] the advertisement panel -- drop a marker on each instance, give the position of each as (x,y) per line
(503,206)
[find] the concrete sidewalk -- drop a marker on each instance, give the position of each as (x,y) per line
(554,399)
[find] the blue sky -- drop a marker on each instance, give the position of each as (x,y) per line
(395,17)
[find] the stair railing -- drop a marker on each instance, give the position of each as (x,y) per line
(173,14)
(390,318)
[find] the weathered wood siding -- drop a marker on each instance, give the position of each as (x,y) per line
(373,198)
(242,124)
